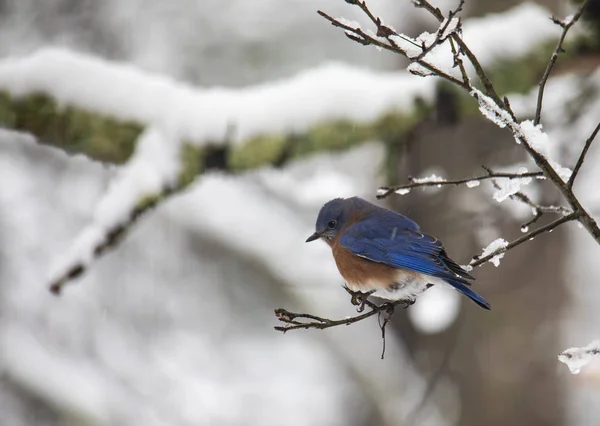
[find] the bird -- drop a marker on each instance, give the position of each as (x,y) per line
(381,252)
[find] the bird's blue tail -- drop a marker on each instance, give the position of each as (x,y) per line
(470,294)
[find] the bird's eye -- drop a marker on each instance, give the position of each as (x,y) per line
(331,224)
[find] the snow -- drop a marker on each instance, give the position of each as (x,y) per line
(487,37)
(417,69)
(473,183)
(429,179)
(540,141)
(509,187)
(402,191)
(577,358)
(348,23)
(490,110)
(494,246)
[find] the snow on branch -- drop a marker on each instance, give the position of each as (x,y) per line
(577,358)
(436,181)
(496,250)
(150,175)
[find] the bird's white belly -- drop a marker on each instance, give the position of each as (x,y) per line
(407,286)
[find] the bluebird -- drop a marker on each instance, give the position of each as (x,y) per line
(383,253)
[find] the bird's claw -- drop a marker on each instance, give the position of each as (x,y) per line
(407,303)
(360,299)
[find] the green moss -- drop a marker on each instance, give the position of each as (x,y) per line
(73,129)
(256,152)
(338,135)
(191,164)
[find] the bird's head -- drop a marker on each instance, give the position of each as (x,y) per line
(333,217)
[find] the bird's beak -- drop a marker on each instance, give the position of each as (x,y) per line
(313,237)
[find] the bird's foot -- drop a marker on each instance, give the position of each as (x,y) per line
(407,302)
(359,298)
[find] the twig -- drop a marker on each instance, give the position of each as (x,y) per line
(365,39)
(296,321)
(386,191)
(581,158)
(111,239)
(538,210)
(459,62)
(546,228)
(439,39)
(566,26)
(487,84)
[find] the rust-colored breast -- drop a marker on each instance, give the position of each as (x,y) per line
(360,272)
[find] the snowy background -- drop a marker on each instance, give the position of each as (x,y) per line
(174,327)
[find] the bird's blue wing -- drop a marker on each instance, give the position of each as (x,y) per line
(395,240)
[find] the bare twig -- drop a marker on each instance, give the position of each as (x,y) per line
(459,62)
(477,261)
(581,158)
(295,321)
(386,191)
(566,26)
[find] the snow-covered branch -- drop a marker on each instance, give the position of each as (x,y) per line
(576,358)
(386,191)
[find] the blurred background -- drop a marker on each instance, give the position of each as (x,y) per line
(175,326)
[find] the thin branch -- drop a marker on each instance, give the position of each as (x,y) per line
(581,158)
(487,84)
(112,238)
(386,191)
(439,39)
(459,62)
(296,321)
(365,39)
(538,210)
(477,261)
(566,26)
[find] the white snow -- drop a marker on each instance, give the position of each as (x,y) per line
(490,110)
(488,38)
(577,358)
(494,246)
(402,191)
(348,22)
(541,143)
(429,179)
(418,69)
(509,187)
(473,183)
